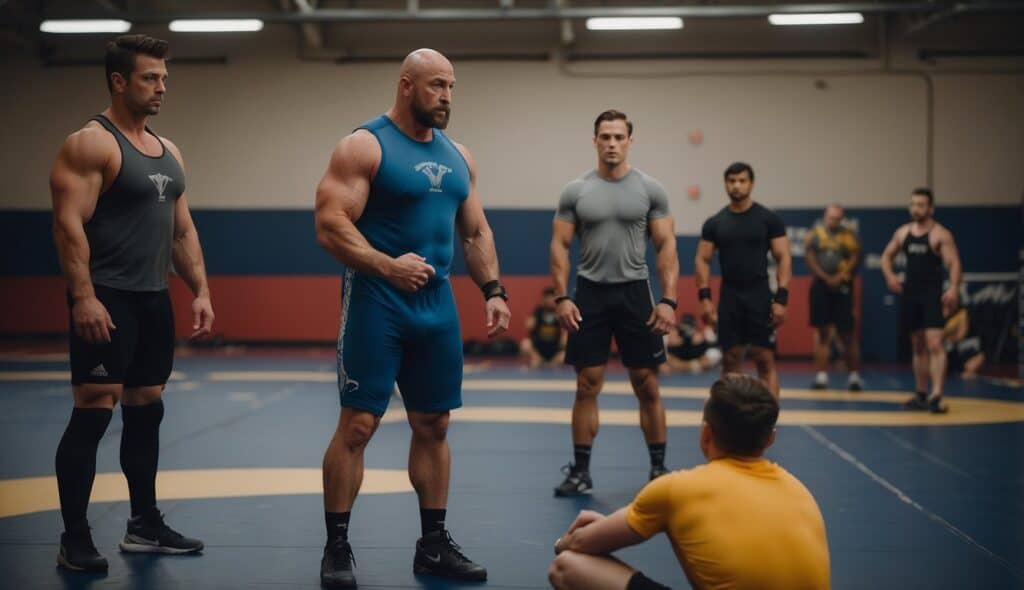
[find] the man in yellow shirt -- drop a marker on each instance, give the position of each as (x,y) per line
(738,522)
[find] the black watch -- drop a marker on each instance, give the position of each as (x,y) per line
(494,289)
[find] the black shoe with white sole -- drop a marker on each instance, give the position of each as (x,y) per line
(147,533)
(337,565)
(577,482)
(437,554)
(77,553)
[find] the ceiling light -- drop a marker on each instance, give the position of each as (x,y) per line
(831,18)
(631,23)
(85,26)
(234,25)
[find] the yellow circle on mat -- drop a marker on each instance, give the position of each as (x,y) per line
(38,494)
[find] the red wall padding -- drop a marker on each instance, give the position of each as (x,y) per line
(306,308)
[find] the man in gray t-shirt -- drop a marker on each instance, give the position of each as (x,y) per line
(613,210)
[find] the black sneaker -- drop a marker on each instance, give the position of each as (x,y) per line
(147,533)
(437,554)
(337,564)
(657,471)
(937,406)
(918,403)
(77,553)
(855,386)
(818,385)
(577,483)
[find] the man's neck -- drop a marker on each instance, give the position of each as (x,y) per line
(403,119)
(923,226)
(128,122)
(741,206)
(617,172)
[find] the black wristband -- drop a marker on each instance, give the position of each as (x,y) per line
(562,298)
(669,302)
(782,296)
(704,293)
(494,289)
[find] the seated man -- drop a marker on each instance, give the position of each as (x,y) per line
(545,340)
(963,346)
(740,521)
(690,348)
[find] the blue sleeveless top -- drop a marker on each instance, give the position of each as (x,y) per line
(415,196)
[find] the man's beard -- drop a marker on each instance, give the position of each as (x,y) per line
(437,118)
(738,196)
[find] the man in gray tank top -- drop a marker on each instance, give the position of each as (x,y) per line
(120,220)
(613,210)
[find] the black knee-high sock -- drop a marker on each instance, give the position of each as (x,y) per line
(76,463)
(140,452)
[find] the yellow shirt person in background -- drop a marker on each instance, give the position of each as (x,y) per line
(737,522)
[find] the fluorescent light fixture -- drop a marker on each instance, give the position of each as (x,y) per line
(634,23)
(828,18)
(234,25)
(85,26)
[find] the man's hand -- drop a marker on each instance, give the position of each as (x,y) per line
(894,284)
(409,272)
(498,316)
(834,281)
(91,320)
(584,518)
(709,313)
(662,319)
(569,315)
(778,314)
(950,301)
(202,318)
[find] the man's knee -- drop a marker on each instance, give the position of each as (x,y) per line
(430,427)
(97,395)
(357,430)
(588,384)
(645,384)
(764,359)
(562,570)
(732,361)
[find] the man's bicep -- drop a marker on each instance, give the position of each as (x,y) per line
(705,250)
(76,179)
(562,232)
(345,187)
(780,247)
(662,230)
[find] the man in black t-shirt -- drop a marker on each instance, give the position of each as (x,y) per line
(743,232)
(545,339)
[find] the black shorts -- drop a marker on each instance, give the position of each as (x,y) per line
(921,312)
(832,307)
(641,582)
(620,310)
(745,317)
(141,350)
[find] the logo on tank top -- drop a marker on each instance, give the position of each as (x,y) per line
(434,172)
(917,248)
(160,180)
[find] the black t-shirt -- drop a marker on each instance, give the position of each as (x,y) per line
(546,329)
(743,241)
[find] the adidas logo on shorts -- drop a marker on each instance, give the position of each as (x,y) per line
(99,371)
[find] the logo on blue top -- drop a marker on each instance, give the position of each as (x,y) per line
(435,173)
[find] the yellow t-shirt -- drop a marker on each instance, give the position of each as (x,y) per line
(737,524)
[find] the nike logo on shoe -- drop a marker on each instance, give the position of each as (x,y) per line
(434,558)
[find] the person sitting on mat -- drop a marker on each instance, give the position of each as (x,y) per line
(739,521)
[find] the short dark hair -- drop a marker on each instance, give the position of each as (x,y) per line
(924,192)
(742,413)
(613,115)
(121,54)
(739,168)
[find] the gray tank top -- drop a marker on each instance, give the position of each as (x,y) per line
(131,231)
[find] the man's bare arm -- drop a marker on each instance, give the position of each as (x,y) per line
(663,235)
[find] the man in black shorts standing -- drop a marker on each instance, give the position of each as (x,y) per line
(613,209)
(120,220)
(832,253)
(748,313)
(927,247)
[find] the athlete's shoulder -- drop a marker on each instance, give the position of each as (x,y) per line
(92,145)
(174,149)
(357,153)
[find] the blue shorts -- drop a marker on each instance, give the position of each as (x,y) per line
(388,336)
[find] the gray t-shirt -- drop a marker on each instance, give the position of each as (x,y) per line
(611,218)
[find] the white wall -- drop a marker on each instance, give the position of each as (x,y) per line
(256,133)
